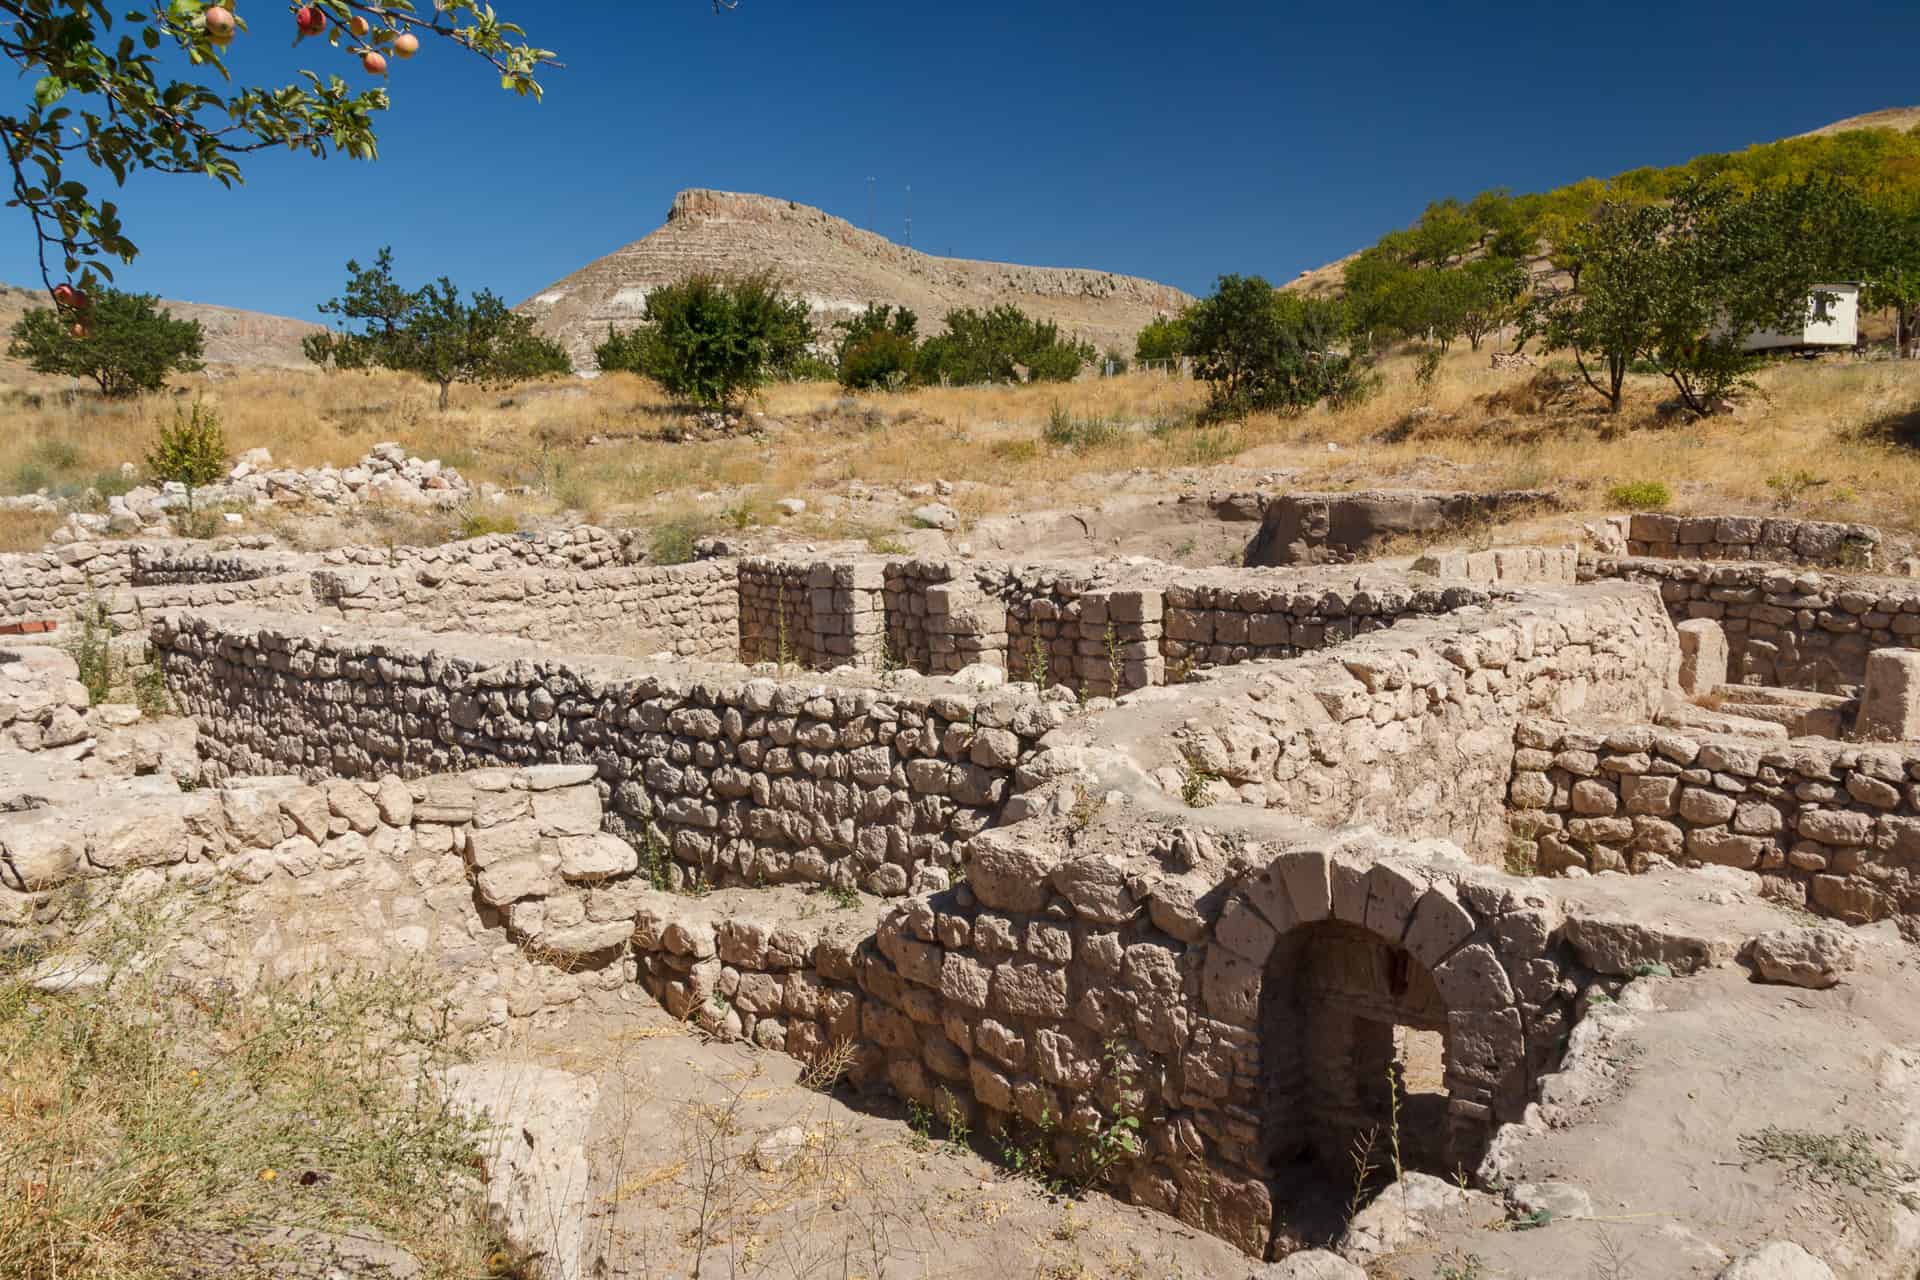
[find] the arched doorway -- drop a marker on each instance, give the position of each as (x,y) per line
(1353,1034)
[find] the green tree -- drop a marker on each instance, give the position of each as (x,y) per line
(430,332)
(127,344)
(130,91)
(1487,296)
(877,348)
(1683,284)
(1265,349)
(711,339)
(996,345)
(1164,338)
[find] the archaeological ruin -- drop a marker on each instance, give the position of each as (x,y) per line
(1166,870)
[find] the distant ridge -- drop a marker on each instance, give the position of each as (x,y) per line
(235,339)
(839,269)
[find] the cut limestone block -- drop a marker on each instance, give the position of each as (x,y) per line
(1703,656)
(1890,702)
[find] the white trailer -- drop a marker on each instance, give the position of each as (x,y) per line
(1833,320)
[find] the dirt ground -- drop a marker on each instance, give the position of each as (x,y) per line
(1726,1124)
(717,1160)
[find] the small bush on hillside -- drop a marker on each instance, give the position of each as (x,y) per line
(191,450)
(877,348)
(712,340)
(1064,430)
(672,543)
(994,346)
(1640,495)
(478,524)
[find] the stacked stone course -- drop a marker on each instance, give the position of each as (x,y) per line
(687,610)
(748,779)
(1797,628)
(816,615)
(1411,729)
(1772,538)
(1834,827)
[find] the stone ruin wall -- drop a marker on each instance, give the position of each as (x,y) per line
(1411,730)
(748,779)
(1777,539)
(690,611)
(1794,628)
(1159,973)
(814,615)
(1832,827)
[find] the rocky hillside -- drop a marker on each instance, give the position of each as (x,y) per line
(235,339)
(839,269)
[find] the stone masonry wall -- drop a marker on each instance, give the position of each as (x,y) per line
(169,565)
(1074,983)
(583,547)
(1833,827)
(940,618)
(816,615)
(1411,729)
(59,583)
(1797,628)
(1806,542)
(748,780)
(690,610)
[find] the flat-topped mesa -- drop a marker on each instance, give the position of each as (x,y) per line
(839,269)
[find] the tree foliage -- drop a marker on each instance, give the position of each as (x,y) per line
(877,348)
(996,346)
(191,450)
(129,90)
(711,340)
(127,345)
(430,332)
(1265,349)
(1164,338)
(1682,285)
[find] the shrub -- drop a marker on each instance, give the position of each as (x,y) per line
(131,345)
(712,340)
(1165,338)
(1063,430)
(1640,495)
(192,450)
(478,524)
(1264,350)
(672,543)
(993,346)
(877,348)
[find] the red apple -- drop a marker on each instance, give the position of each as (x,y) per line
(64,294)
(219,24)
(407,45)
(310,20)
(359,25)
(375,63)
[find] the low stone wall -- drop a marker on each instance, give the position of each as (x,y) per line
(815,615)
(583,547)
(1411,729)
(42,702)
(1807,542)
(1800,629)
(1505,566)
(1338,528)
(1833,827)
(690,610)
(942,617)
(1226,618)
(59,583)
(187,564)
(747,780)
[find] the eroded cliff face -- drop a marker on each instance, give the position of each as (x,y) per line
(839,269)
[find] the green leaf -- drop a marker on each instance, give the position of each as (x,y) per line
(49,90)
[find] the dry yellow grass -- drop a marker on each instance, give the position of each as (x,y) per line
(1831,435)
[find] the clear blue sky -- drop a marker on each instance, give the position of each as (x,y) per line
(1170,141)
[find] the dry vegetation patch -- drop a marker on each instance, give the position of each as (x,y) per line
(149,1129)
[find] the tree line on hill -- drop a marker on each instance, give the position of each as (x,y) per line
(1668,271)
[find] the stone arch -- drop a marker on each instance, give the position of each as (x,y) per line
(1334,951)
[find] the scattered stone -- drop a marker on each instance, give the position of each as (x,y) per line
(1806,957)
